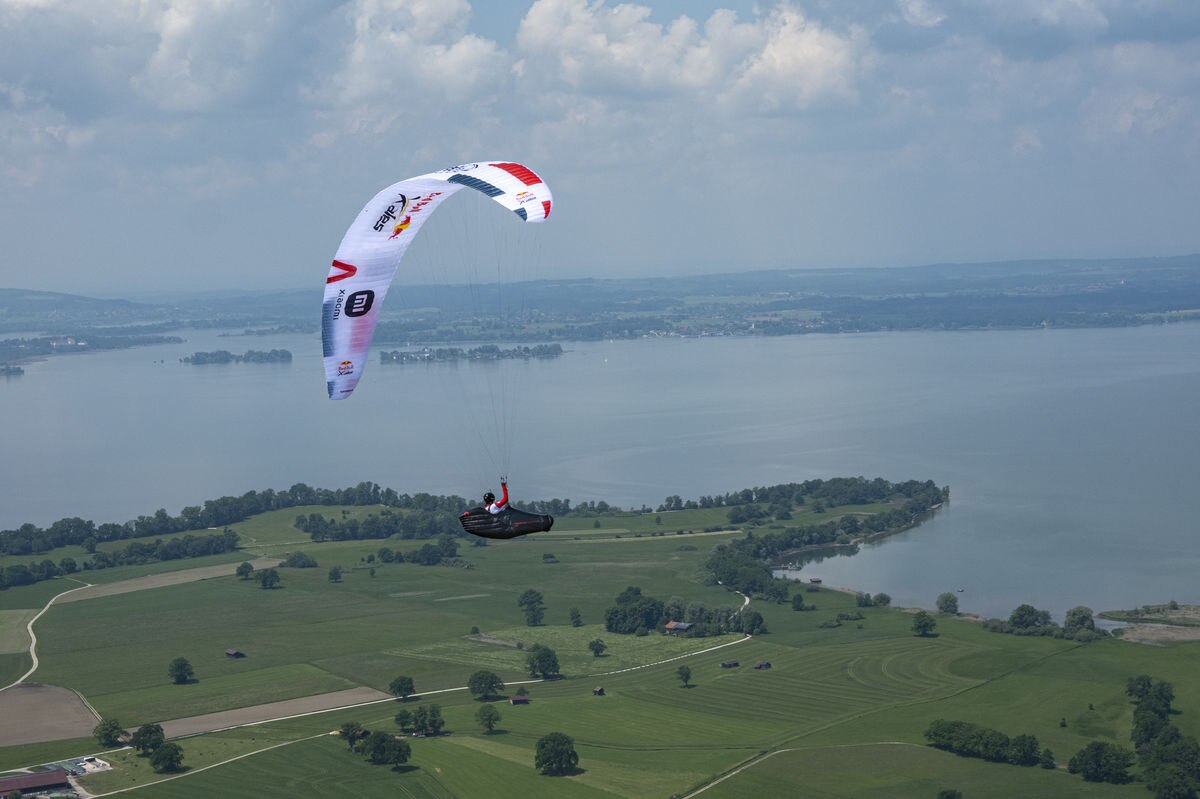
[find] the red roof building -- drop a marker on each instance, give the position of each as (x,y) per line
(36,781)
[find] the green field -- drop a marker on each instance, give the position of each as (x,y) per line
(840,714)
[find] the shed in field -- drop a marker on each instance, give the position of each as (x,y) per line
(234,653)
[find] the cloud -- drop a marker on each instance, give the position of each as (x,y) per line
(410,56)
(921,13)
(863,125)
(779,61)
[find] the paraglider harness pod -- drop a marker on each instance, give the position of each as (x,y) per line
(508,523)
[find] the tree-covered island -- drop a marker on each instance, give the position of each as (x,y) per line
(250,356)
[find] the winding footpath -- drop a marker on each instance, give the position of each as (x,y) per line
(33,636)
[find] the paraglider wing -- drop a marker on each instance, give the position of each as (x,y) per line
(509,523)
(375,243)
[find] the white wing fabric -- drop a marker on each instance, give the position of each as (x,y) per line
(372,248)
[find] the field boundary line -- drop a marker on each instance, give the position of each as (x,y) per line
(33,638)
(755,760)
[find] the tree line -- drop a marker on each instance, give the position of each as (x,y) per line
(135,552)
(73,531)
(415,523)
(1079,624)
(972,740)
(1169,759)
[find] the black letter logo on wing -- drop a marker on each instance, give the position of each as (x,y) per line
(358,303)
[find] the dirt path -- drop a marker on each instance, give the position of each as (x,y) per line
(273,711)
(166,578)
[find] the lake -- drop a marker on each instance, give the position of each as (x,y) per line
(1069,453)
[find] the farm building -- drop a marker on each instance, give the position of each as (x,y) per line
(763,664)
(730,664)
(234,653)
(37,781)
(673,627)
(598,691)
(518,700)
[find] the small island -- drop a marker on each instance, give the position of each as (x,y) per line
(251,356)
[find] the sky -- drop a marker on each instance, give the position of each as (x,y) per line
(181,145)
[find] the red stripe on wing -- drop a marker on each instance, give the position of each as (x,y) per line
(521,173)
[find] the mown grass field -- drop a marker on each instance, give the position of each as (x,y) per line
(840,714)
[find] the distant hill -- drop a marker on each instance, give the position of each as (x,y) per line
(22,309)
(1008,294)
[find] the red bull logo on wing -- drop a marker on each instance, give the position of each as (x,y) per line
(345,368)
(401,226)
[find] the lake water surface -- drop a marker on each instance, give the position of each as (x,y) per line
(1071,454)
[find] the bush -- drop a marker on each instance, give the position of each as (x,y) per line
(298,560)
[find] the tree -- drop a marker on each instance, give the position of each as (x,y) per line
(1027,617)
(488,717)
(402,687)
(882,600)
(109,732)
(752,622)
(404,719)
(576,617)
(923,623)
(268,578)
(556,754)
(181,672)
(352,732)
(245,571)
(1170,781)
(685,674)
(1138,686)
(1047,759)
(168,757)
(147,738)
(335,574)
(1079,618)
(949,793)
(1023,751)
(384,748)
(947,603)
(1101,761)
(427,719)
(484,684)
(597,646)
(542,662)
(532,604)
(299,560)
